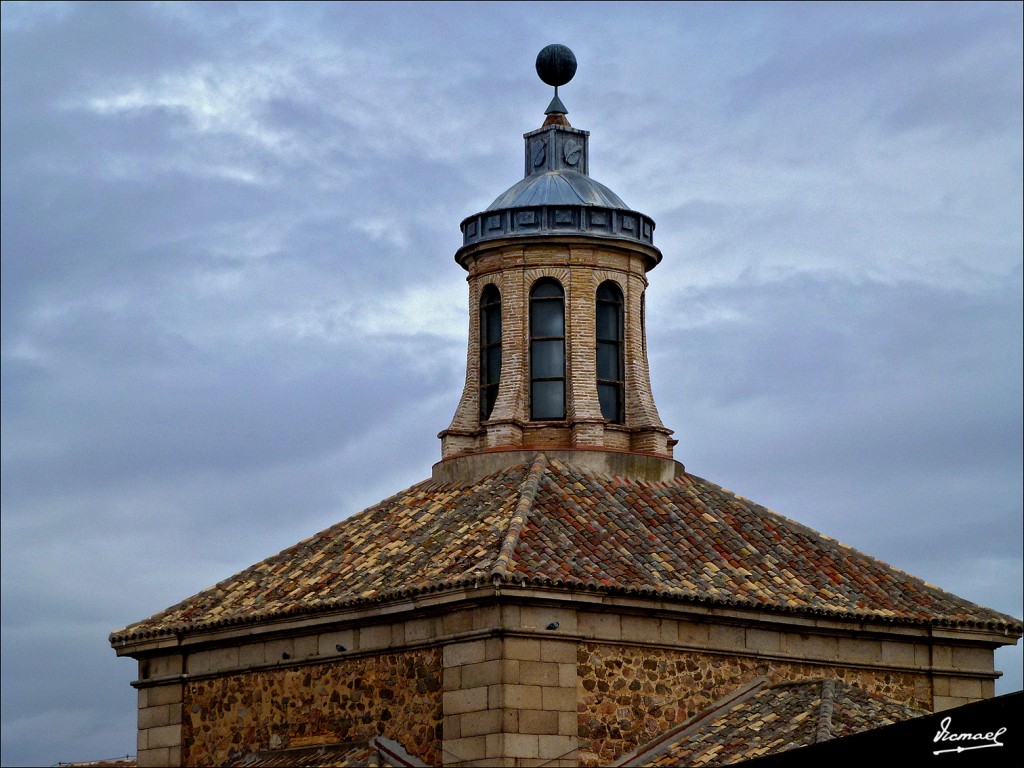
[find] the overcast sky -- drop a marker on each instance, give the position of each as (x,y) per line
(231,317)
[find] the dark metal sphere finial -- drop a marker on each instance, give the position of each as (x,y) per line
(556,64)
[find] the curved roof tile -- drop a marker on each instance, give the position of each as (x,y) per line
(549,523)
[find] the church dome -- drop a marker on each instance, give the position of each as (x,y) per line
(557,196)
(560,187)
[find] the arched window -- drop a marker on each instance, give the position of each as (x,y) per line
(490,349)
(547,350)
(610,334)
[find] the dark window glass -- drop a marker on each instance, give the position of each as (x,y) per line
(608,395)
(608,361)
(547,359)
(547,288)
(606,326)
(494,319)
(490,349)
(547,318)
(547,350)
(489,397)
(493,359)
(609,342)
(548,399)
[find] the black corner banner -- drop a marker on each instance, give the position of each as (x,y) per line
(986,734)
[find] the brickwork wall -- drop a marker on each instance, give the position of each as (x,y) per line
(628,695)
(397,695)
(579,269)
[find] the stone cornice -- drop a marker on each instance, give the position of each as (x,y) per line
(505,593)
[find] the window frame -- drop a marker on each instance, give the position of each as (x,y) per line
(534,301)
(616,304)
(489,382)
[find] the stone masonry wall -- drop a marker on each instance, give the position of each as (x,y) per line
(396,695)
(628,695)
(510,701)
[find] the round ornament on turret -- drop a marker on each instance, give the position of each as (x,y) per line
(556,64)
(557,196)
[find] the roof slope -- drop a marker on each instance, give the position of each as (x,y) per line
(774,719)
(378,752)
(550,523)
(557,188)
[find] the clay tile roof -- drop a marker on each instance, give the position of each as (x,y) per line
(378,752)
(549,523)
(767,720)
(333,756)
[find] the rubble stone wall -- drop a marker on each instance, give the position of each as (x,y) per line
(628,695)
(396,695)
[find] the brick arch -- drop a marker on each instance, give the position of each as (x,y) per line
(497,279)
(620,278)
(532,274)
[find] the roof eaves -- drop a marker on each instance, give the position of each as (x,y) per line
(503,571)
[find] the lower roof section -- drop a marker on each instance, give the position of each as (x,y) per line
(759,719)
(378,752)
(853,727)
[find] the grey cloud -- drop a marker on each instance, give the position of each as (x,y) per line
(92,42)
(197,414)
(943,70)
(213,331)
(805,342)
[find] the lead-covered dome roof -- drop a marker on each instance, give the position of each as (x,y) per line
(561,187)
(557,197)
